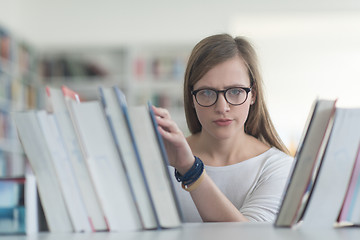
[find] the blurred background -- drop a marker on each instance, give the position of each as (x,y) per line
(307,50)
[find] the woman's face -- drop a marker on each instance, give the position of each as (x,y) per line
(223,120)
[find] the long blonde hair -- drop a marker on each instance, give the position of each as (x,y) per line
(214,50)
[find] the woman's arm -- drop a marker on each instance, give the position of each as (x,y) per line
(263,201)
(212,204)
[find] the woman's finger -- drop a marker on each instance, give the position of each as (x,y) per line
(167,125)
(161,112)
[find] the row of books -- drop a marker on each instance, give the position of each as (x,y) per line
(324,186)
(18,90)
(62,67)
(5,43)
(99,165)
(15,51)
(160,68)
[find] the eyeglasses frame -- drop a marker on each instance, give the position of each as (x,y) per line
(247,90)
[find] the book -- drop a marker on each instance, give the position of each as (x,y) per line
(34,146)
(335,171)
(64,172)
(307,161)
(155,163)
(114,105)
(57,104)
(32,204)
(18,205)
(105,166)
(350,211)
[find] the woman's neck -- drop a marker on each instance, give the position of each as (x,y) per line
(215,152)
(218,152)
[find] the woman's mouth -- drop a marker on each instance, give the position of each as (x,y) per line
(223,122)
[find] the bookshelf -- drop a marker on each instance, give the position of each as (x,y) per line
(148,72)
(82,69)
(158,75)
(153,72)
(19,90)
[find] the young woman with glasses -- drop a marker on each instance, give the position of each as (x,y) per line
(233,166)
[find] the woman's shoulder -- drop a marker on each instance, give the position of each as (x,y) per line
(275,152)
(266,153)
(277,159)
(274,155)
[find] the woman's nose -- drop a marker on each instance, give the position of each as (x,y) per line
(221,104)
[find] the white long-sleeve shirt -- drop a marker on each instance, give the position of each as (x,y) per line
(254,186)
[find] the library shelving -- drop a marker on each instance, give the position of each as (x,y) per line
(19,88)
(145,73)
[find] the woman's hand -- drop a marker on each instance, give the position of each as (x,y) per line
(211,203)
(178,150)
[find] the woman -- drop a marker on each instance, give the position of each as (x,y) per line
(246,163)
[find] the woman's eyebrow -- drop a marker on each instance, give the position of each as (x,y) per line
(226,87)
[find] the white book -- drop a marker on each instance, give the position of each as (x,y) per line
(34,146)
(335,172)
(350,211)
(64,171)
(58,105)
(118,121)
(154,161)
(308,159)
(105,166)
(31,204)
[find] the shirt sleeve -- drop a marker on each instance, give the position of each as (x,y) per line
(263,201)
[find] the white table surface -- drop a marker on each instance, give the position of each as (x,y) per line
(208,231)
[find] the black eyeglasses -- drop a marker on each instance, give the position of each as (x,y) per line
(207,97)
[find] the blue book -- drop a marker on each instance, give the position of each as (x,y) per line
(164,155)
(12,206)
(115,108)
(19,205)
(148,144)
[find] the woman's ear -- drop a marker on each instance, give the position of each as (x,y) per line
(253,98)
(192,102)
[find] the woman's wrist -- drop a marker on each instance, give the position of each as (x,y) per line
(185,165)
(192,175)
(191,187)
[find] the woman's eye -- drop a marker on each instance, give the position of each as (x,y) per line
(207,93)
(235,91)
